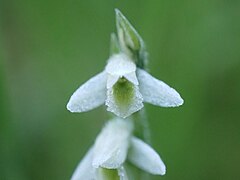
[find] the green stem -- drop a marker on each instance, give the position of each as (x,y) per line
(142,131)
(141,126)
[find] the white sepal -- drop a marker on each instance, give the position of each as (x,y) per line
(89,95)
(85,170)
(157,92)
(111,146)
(145,158)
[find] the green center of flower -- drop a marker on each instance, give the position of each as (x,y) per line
(108,174)
(123,92)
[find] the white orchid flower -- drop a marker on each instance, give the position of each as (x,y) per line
(85,171)
(123,88)
(113,147)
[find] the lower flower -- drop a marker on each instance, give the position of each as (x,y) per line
(113,147)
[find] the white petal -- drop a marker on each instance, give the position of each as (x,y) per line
(124,98)
(132,77)
(110,149)
(85,170)
(157,92)
(111,80)
(90,95)
(145,158)
(119,65)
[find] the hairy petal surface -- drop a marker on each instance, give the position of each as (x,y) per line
(111,146)
(157,92)
(144,157)
(85,170)
(89,95)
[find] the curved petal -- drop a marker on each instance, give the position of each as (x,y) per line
(85,170)
(132,77)
(124,98)
(90,95)
(111,80)
(119,65)
(145,158)
(157,92)
(110,149)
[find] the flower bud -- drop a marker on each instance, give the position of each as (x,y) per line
(130,41)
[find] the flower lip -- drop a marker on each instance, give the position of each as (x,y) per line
(124,98)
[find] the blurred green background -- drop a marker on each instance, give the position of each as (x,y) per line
(49,47)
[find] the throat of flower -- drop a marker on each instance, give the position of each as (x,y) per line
(123,92)
(124,98)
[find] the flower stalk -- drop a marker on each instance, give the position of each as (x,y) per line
(123,86)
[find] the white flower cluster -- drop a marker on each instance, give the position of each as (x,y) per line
(122,86)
